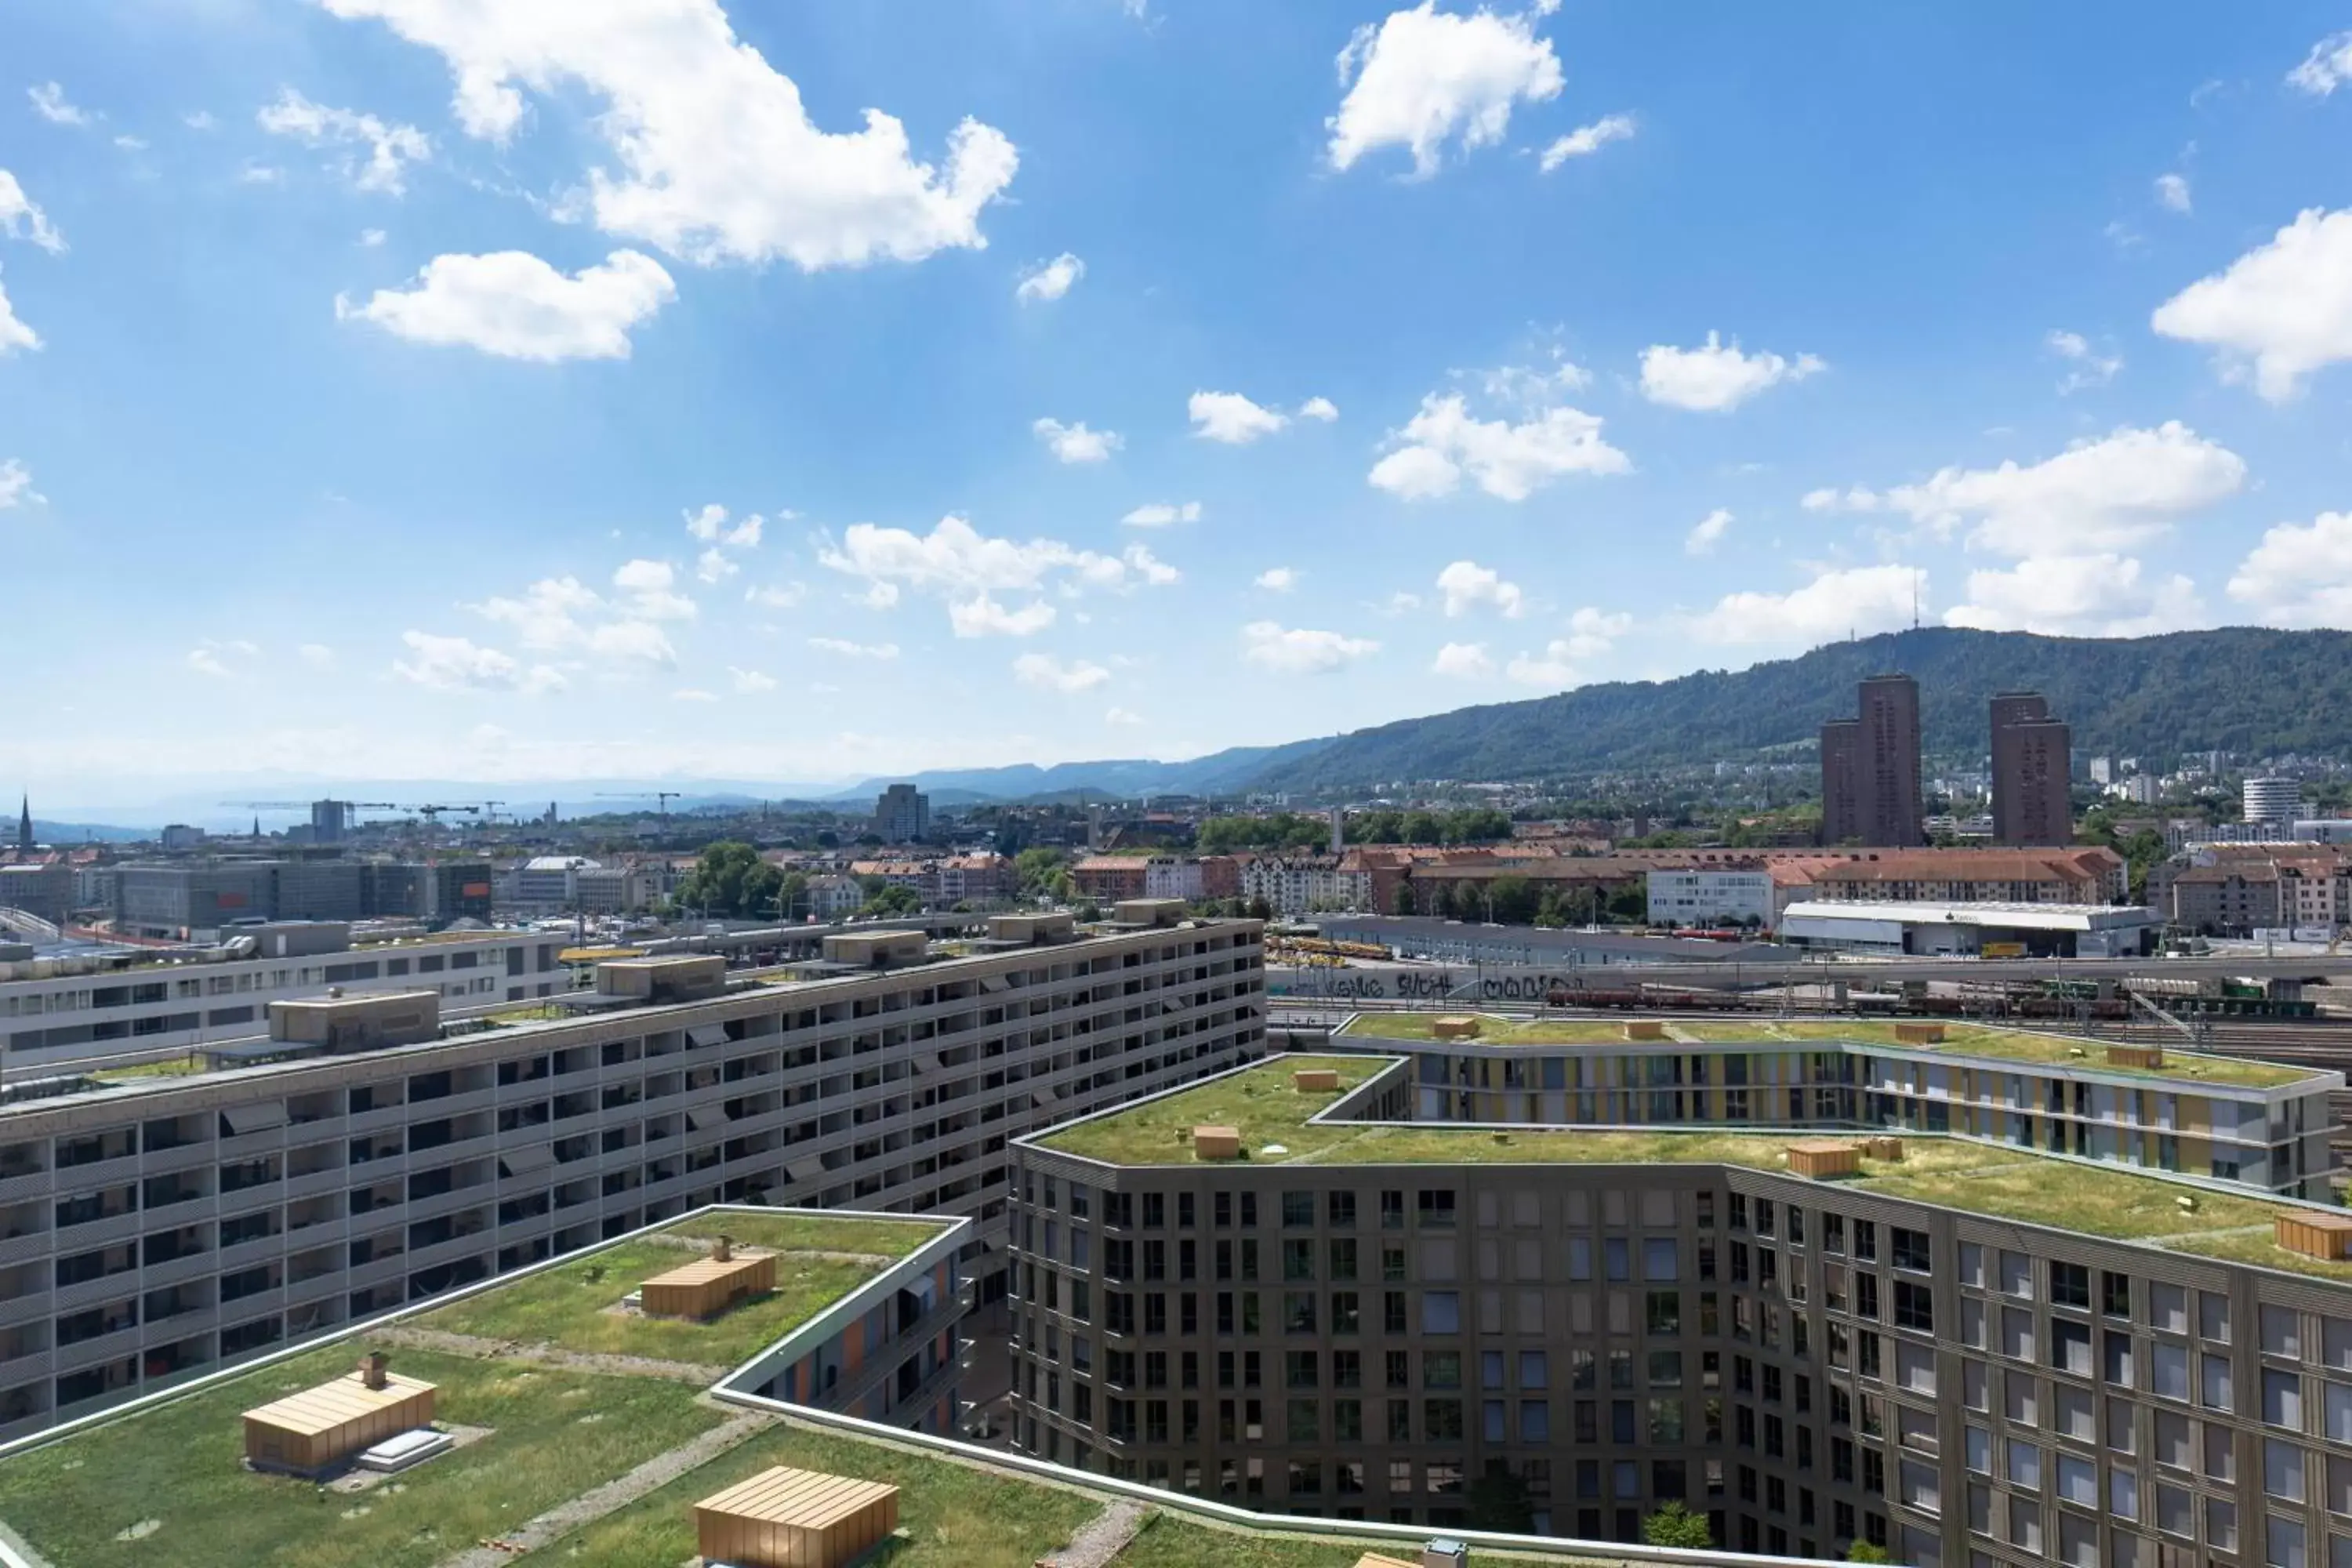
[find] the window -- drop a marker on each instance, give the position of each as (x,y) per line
(1915,1307)
(2282,1332)
(1435,1208)
(2214,1388)
(1910,1249)
(2024,1465)
(1298,1209)
(2281,1398)
(1659,1262)
(2070,1285)
(1441,1312)
(2070,1346)
(1441,1369)
(1341,1209)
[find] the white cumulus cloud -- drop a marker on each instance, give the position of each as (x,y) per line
(1859,599)
(750,682)
(50,101)
(2300,574)
(1708,532)
(2279,313)
(1468,586)
(1321,408)
(1277,579)
(776,595)
(1443,441)
(1716,377)
(1231,418)
(13,334)
(1300,651)
(2100,595)
(22,218)
(16,486)
(1049,280)
(461,664)
(845,649)
(1159,514)
(2173,193)
(2095,495)
(511,304)
(2327,66)
(1075,443)
(715,157)
(1425,78)
(391,148)
(1587,140)
(981,616)
(1553,666)
(1463,661)
(1050,674)
(2087,367)
(956,563)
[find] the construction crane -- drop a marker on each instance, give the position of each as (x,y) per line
(307,805)
(664,795)
(490,811)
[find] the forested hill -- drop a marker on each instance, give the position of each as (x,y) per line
(2244,689)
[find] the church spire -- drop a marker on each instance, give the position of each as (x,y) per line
(25,824)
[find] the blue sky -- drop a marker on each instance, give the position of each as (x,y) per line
(388,386)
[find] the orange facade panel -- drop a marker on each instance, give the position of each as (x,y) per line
(795,1518)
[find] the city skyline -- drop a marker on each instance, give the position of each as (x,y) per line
(590,407)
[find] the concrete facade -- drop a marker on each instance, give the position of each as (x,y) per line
(2031,769)
(147,1231)
(1805,1364)
(82,1009)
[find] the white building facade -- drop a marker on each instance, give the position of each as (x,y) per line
(1710,897)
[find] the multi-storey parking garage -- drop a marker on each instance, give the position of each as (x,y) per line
(159,1224)
(1959,1349)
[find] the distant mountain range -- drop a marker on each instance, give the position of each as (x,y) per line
(2248,690)
(2244,690)
(1221,772)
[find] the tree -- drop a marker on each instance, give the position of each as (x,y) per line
(892,899)
(1498,1500)
(1511,900)
(1259,910)
(1864,1552)
(731,880)
(1675,1525)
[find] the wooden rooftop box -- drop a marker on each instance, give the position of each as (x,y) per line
(1883,1146)
(318,1428)
(1918,1034)
(1823,1158)
(2123,1056)
(1646,1029)
(1374,1559)
(1454,1027)
(1315,1080)
(1216,1143)
(2314,1233)
(709,1286)
(795,1518)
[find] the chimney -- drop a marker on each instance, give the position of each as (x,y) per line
(725,1251)
(372,1370)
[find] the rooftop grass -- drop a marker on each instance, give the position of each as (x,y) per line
(178,1471)
(953,1515)
(2112,1201)
(1259,1101)
(570,1305)
(1174,1541)
(1960,1040)
(2257,1248)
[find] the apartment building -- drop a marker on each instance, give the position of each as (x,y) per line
(1953,1350)
(2260,1125)
(153,1227)
(2077,876)
(58,1012)
(1307,884)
